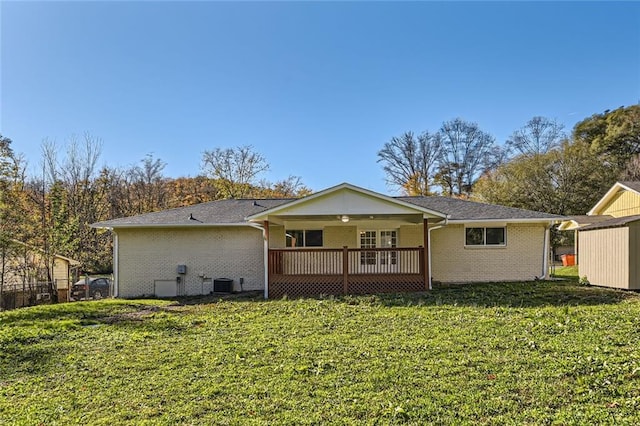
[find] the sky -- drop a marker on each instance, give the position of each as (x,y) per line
(317,88)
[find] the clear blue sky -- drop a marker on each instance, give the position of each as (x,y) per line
(317,88)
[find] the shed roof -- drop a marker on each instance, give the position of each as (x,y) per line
(574,222)
(610,223)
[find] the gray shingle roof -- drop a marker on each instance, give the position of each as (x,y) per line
(472,210)
(589,219)
(611,223)
(225,212)
(219,212)
(635,185)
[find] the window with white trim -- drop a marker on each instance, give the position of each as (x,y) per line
(368,239)
(386,239)
(304,238)
(485,236)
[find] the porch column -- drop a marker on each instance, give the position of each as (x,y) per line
(427,249)
(345,270)
(267,259)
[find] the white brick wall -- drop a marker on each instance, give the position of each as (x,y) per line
(146,255)
(520,260)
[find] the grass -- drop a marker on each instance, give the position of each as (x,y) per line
(568,272)
(534,353)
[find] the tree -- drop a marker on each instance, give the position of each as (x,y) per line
(85,197)
(291,187)
(538,136)
(234,170)
(148,185)
(467,152)
(410,162)
(186,191)
(15,210)
(631,171)
(565,181)
(614,135)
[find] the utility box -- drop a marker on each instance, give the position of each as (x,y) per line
(181,269)
(223,285)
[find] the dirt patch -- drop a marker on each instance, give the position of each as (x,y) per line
(141,314)
(179,305)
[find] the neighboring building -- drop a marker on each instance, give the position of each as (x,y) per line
(609,238)
(344,239)
(24,277)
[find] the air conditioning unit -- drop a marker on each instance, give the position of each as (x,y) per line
(43,296)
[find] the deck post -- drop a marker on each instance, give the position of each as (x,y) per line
(345,270)
(267,258)
(427,250)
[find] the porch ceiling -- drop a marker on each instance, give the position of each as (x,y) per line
(336,220)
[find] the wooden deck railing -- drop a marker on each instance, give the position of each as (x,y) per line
(338,271)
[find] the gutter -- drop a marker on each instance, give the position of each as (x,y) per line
(530,220)
(545,252)
(169,225)
(116,275)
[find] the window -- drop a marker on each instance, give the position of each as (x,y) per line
(389,239)
(369,240)
(485,236)
(307,238)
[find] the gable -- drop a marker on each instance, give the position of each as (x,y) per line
(624,203)
(620,201)
(346,200)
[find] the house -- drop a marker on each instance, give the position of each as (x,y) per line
(24,276)
(344,239)
(609,238)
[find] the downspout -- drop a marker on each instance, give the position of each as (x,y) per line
(265,256)
(116,275)
(446,221)
(545,252)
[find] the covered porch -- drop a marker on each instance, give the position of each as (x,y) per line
(346,240)
(302,272)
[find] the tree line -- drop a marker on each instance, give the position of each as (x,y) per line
(52,212)
(539,167)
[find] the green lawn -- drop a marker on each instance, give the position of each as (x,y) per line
(568,272)
(535,353)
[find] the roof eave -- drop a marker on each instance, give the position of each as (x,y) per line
(511,220)
(568,225)
(169,225)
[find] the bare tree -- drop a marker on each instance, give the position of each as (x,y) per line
(291,187)
(83,202)
(234,170)
(467,152)
(148,184)
(539,136)
(410,162)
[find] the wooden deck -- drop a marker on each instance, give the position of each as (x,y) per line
(304,272)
